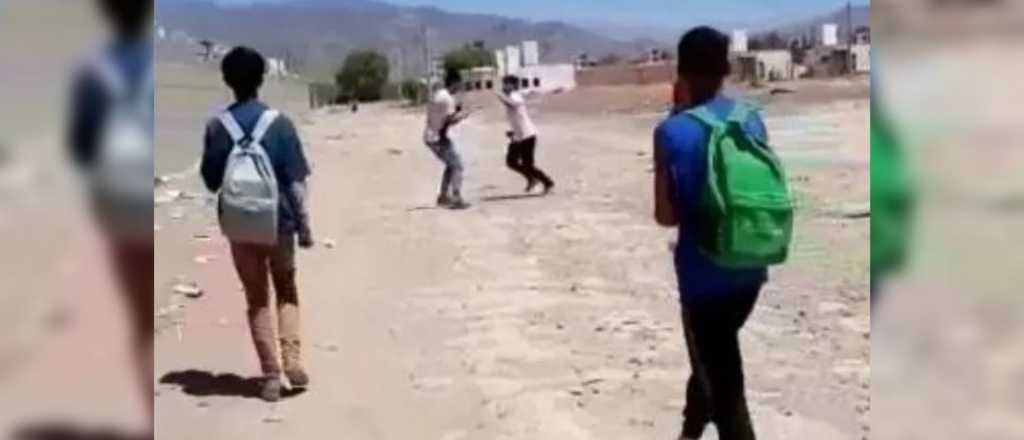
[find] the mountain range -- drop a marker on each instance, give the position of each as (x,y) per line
(315,35)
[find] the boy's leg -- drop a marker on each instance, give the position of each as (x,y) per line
(438,149)
(697,412)
(724,364)
(454,173)
(514,160)
(529,148)
(282,272)
(134,265)
(251,262)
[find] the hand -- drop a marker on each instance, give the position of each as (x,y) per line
(305,238)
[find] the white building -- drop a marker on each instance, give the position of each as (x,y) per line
(830,35)
(523,61)
(276,68)
(860,55)
(513,60)
(531,53)
(740,42)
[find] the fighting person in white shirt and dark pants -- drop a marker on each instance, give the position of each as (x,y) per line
(522,136)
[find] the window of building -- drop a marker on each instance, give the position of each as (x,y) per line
(489,84)
(536,82)
(526,83)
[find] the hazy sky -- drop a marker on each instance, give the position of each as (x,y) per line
(663,14)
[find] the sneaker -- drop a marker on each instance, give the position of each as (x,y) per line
(459,205)
(271,391)
(548,187)
(290,352)
(443,200)
(530,185)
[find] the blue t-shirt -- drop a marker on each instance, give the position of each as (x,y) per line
(91,101)
(282,144)
(681,141)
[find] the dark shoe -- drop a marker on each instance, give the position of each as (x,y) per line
(530,185)
(444,201)
(548,187)
(271,391)
(459,205)
(290,352)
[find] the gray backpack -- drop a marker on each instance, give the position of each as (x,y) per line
(249,193)
(122,180)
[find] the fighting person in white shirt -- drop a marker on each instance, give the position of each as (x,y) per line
(443,113)
(522,136)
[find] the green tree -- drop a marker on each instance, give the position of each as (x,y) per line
(471,55)
(363,75)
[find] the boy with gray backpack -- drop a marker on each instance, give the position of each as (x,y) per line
(719,182)
(253,159)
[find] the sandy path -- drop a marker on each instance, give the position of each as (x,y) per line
(522,318)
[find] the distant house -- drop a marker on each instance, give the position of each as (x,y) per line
(765,65)
(523,62)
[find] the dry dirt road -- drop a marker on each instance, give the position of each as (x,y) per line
(523,317)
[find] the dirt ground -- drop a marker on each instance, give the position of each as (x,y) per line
(524,317)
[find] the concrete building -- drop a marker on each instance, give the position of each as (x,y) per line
(830,35)
(767,65)
(740,41)
(860,58)
(531,53)
(513,60)
(522,61)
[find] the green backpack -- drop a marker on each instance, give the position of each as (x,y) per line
(891,197)
(746,208)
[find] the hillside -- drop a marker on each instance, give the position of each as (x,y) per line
(316,34)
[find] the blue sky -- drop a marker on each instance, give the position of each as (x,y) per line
(662,15)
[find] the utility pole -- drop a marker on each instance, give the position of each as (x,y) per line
(427,62)
(849,38)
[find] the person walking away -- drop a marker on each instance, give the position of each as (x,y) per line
(720,270)
(523,140)
(250,130)
(444,113)
(110,137)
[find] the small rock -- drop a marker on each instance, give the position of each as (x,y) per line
(395,152)
(203,404)
(330,244)
(189,290)
(204,259)
(273,419)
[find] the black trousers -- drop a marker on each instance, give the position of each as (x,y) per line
(715,392)
(520,159)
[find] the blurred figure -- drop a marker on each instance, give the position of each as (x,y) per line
(717,295)
(523,139)
(251,124)
(111,140)
(890,201)
(443,113)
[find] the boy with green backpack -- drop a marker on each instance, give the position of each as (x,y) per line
(717,180)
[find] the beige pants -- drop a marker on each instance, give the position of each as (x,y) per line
(254,263)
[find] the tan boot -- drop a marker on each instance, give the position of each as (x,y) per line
(271,389)
(291,353)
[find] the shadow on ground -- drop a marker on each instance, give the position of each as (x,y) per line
(62,431)
(205,384)
(511,197)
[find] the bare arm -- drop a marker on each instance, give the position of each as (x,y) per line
(664,209)
(505,99)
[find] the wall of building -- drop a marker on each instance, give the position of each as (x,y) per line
(626,75)
(546,78)
(861,58)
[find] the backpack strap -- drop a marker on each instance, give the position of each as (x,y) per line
(706,116)
(266,120)
(740,113)
(231,125)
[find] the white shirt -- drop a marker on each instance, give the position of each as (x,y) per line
(441,106)
(518,118)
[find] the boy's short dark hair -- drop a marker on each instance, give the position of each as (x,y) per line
(128,16)
(704,51)
(452,77)
(243,69)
